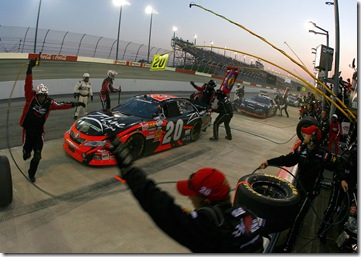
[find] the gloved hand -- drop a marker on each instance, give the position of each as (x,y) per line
(192,83)
(91,98)
(79,104)
(122,155)
(31,64)
(75,95)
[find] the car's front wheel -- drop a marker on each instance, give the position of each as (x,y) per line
(6,186)
(135,145)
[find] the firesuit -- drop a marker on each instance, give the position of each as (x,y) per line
(107,88)
(207,93)
(83,91)
(225,113)
(335,132)
(311,164)
(34,115)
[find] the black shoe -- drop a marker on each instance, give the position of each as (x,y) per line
(75,117)
(26,155)
(32,179)
(213,139)
(229,138)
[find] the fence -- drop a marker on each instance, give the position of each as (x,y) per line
(21,40)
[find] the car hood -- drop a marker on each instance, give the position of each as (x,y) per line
(100,124)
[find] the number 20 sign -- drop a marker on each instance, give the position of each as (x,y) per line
(159,62)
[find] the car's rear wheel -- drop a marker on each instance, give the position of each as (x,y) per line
(269,197)
(196,132)
(6,186)
(135,145)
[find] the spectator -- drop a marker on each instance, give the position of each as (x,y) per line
(82,92)
(213,226)
(334,134)
(225,113)
(311,160)
(107,88)
(35,113)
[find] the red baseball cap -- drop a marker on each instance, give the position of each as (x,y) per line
(209,183)
(311,129)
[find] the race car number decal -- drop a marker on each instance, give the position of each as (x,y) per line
(171,127)
(159,62)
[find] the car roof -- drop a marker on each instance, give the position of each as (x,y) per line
(157,97)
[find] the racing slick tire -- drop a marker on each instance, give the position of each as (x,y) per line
(135,145)
(305,122)
(196,132)
(6,186)
(268,197)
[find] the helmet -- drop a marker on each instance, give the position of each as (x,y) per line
(41,90)
(334,117)
(212,83)
(238,85)
(112,73)
(86,75)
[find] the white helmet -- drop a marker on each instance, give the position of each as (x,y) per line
(112,74)
(86,75)
(41,90)
(334,116)
(238,85)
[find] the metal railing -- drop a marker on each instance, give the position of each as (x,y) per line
(21,40)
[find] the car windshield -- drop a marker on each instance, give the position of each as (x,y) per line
(138,107)
(261,99)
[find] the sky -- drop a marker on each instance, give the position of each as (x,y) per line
(277,21)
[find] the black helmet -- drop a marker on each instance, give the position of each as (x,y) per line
(212,83)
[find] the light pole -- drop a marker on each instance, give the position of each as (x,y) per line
(325,32)
(244,59)
(150,10)
(224,52)
(211,46)
(119,3)
(195,39)
(36,29)
(174,30)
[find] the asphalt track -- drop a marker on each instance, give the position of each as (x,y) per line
(74,208)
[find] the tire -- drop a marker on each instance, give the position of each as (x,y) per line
(269,197)
(6,186)
(196,132)
(136,146)
(305,122)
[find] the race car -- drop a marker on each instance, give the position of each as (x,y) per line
(148,124)
(259,106)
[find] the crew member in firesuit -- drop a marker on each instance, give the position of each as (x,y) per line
(344,182)
(208,93)
(107,88)
(225,114)
(35,112)
(335,132)
(311,160)
(82,92)
(213,226)
(324,125)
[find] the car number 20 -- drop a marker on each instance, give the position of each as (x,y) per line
(170,128)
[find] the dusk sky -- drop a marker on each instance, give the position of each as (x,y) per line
(277,21)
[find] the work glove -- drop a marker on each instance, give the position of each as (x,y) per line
(192,83)
(75,95)
(79,104)
(91,98)
(31,64)
(122,155)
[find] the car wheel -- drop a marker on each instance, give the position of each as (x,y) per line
(196,132)
(269,197)
(136,146)
(6,186)
(305,122)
